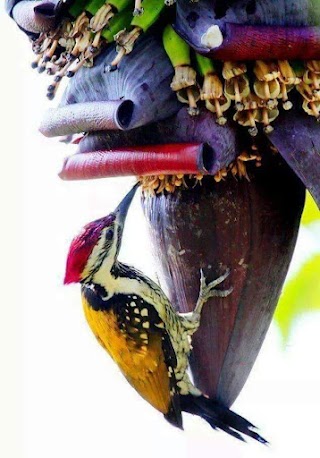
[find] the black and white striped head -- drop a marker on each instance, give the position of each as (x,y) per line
(98,244)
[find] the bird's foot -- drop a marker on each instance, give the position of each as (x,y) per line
(209,290)
(192,320)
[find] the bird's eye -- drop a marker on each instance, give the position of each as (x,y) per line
(109,234)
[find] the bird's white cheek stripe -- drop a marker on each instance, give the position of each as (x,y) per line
(98,252)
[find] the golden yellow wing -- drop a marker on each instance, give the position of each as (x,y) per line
(142,350)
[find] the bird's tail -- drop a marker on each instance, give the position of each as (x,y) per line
(219,417)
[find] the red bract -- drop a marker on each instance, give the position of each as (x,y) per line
(143,160)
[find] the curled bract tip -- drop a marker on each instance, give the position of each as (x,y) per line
(33,16)
(90,116)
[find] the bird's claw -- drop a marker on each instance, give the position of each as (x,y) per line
(209,290)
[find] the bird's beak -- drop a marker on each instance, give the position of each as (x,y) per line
(122,209)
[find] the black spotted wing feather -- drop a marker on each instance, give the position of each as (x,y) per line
(130,329)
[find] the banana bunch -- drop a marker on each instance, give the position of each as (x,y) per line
(89,28)
(254,90)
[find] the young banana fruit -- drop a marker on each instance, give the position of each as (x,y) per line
(212,89)
(184,82)
(127,37)
(94,26)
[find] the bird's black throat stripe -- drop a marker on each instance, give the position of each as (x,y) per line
(94,295)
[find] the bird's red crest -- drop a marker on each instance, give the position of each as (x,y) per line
(81,248)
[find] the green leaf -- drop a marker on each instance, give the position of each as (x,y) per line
(311,212)
(301,295)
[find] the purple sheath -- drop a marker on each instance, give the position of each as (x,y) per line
(297,137)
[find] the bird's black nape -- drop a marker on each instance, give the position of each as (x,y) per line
(220,417)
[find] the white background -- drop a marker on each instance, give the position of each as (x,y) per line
(60,394)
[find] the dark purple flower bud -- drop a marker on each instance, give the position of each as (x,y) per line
(247,227)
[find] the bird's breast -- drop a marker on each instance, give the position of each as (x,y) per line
(111,331)
(126,337)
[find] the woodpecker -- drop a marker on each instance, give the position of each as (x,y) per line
(136,324)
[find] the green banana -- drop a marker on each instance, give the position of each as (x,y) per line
(314,12)
(126,39)
(77,8)
(298,67)
(177,49)
(102,12)
(118,5)
(184,82)
(118,22)
(205,66)
(151,12)
(93,6)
